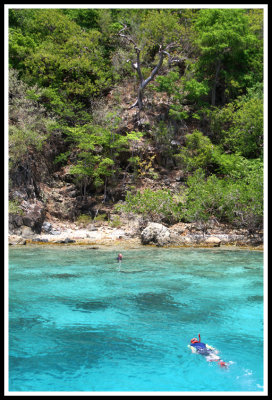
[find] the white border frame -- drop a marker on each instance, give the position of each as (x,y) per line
(6,288)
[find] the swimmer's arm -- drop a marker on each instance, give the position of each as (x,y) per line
(192,348)
(212,348)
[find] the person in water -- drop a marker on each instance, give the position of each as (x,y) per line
(206,350)
(119,257)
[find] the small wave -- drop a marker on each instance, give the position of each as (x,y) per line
(248,372)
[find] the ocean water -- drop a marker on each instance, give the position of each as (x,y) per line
(79,321)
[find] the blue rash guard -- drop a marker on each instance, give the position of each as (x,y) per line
(200,347)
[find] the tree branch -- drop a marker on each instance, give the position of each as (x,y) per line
(128,38)
(137,66)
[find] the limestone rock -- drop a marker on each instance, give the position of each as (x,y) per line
(46,227)
(26,231)
(34,213)
(15,239)
(155,233)
(213,241)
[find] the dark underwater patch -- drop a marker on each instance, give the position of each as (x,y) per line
(255,298)
(92,305)
(63,276)
(156,301)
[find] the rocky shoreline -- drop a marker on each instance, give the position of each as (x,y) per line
(53,221)
(132,234)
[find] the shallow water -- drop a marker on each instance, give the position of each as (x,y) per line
(80,322)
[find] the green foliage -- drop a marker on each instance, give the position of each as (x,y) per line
(167,83)
(227,45)
(238,127)
(230,199)
(99,148)
(182,91)
(199,152)
(29,124)
(159,28)
(84,17)
(238,201)
(62,158)
(84,220)
(14,207)
(63,60)
(204,198)
(156,206)
(20,46)
(246,132)
(75,66)
(100,217)
(195,90)
(51,50)
(115,222)
(255,17)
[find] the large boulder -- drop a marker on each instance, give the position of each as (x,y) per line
(157,234)
(26,231)
(213,241)
(15,239)
(34,214)
(60,201)
(15,221)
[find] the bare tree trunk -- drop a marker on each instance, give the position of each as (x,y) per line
(137,66)
(218,66)
(105,190)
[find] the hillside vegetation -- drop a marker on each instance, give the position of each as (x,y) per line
(157,112)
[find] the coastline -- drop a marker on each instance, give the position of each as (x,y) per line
(122,238)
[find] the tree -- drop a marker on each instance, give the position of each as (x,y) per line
(227,47)
(236,199)
(156,206)
(98,148)
(29,123)
(52,51)
(199,152)
(184,93)
(67,58)
(160,34)
(238,127)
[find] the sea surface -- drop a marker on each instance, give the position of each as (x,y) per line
(81,322)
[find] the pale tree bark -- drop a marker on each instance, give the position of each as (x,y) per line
(163,51)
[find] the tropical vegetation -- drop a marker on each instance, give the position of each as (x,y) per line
(205,65)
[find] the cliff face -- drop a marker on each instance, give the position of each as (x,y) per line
(45,191)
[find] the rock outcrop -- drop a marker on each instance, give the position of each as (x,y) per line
(157,234)
(186,234)
(33,214)
(213,241)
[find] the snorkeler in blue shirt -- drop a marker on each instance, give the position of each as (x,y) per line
(206,350)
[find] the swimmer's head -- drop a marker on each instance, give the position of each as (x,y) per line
(194,340)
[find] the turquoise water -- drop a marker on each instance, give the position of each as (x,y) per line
(79,322)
